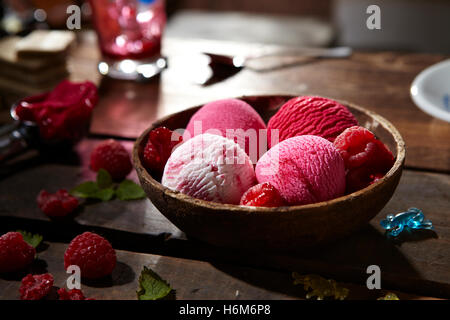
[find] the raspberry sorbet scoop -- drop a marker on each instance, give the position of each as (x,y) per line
(237,117)
(211,168)
(307,115)
(305,169)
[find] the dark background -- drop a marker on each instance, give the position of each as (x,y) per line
(408,25)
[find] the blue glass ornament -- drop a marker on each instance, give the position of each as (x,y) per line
(413,218)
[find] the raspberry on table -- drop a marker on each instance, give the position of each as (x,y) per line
(15,253)
(74,294)
(36,287)
(262,195)
(366,158)
(113,157)
(92,253)
(160,144)
(58,204)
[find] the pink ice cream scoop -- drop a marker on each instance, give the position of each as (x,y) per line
(233,119)
(304,169)
(210,167)
(310,115)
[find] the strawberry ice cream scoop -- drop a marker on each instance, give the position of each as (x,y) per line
(304,169)
(310,115)
(230,118)
(210,167)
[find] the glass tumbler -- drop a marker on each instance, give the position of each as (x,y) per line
(129,35)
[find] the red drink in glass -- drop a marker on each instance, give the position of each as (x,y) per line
(129,30)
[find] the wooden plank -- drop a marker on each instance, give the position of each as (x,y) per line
(419,264)
(378,81)
(191,279)
(23,181)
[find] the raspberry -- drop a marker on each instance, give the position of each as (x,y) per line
(15,253)
(158,149)
(36,287)
(366,158)
(113,157)
(357,179)
(262,195)
(74,294)
(58,204)
(92,253)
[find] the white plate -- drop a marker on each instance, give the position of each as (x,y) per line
(430,90)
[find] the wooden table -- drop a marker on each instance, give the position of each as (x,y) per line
(415,267)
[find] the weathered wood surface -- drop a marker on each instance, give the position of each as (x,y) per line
(378,81)
(420,264)
(190,279)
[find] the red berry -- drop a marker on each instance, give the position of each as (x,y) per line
(158,149)
(92,253)
(74,294)
(58,204)
(357,179)
(36,287)
(375,177)
(113,157)
(15,253)
(366,158)
(262,195)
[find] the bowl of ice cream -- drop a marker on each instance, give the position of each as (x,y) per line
(299,222)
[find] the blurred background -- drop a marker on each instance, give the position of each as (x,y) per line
(411,25)
(115,35)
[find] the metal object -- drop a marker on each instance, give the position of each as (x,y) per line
(16,137)
(241,61)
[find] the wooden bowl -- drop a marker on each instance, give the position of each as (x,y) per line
(283,228)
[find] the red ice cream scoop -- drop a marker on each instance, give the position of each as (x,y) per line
(308,115)
(233,119)
(59,117)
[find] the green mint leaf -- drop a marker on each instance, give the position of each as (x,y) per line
(85,190)
(32,239)
(151,286)
(128,190)
(90,190)
(103,194)
(104,179)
